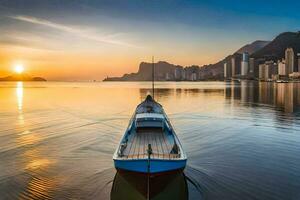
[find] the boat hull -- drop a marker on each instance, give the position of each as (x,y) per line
(156,165)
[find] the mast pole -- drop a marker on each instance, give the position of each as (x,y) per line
(153,77)
(149,152)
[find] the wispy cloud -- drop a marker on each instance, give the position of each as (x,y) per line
(27,41)
(69,29)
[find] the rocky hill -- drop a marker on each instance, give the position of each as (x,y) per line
(276,49)
(144,73)
(253,47)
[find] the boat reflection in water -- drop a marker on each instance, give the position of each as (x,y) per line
(131,185)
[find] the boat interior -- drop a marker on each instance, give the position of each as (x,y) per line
(149,134)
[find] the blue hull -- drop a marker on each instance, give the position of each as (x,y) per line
(156,165)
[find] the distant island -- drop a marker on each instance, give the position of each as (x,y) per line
(259,51)
(21,77)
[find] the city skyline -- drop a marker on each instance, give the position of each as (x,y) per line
(241,66)
(85,40)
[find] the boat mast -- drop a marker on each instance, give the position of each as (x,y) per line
(153,77)
(149,152)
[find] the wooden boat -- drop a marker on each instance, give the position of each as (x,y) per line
(149,144)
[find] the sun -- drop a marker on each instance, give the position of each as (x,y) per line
(19,69)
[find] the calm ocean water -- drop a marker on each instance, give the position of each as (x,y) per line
(242,140)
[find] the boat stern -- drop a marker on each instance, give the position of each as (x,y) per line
(156,165)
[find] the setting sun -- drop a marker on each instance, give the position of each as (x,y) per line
(19,69)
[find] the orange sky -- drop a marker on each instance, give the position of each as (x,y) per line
(88,64)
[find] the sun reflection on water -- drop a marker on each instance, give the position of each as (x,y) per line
(36,163)
(39,163)
(19,94)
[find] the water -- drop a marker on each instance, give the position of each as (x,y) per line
(57,140)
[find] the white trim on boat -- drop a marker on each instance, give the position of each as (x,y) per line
(150,115)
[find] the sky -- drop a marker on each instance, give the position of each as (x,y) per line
(91,39)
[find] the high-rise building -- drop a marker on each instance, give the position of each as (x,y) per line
(236,65)
(267,70)
(254,67)
(289,60)
(194,76)
(245,64)
(227,70)
(167,76)
(177,73)
(271,68)
(298,60)
(183,75)
(282,71)
(262,71)
(251,65)
(232,67)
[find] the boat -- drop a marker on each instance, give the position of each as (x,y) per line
(150,144)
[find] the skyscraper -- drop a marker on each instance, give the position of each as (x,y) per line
(251,65)
(262,71)
(271,68)
(298,59)
(236,65)
(227,70)
(268,70)
(183,75)
(254,66)
(167,76)
(282,68)
(194,76)
(177,73)
(245,64)
(289,60)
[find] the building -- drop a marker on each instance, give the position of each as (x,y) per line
(268,70)
(271,68)
(289,60)
(282,71)
(251,66)
(183,75)
(177,73)
(167,78)
(227,70)
(298,60)
(236,65)
(245,64)
(261,71)
(194,76)
(191,72)
(295,75)
(254,67)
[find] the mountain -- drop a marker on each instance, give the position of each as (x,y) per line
(21,77)
(144,73)
(276,49)
(253,47)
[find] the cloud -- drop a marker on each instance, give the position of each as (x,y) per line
(69,29)
(28,42)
